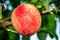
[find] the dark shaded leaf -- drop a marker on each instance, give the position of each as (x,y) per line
(25,38)
(15,3)
(12,35)
(49,25)
(42,35)
(1,34)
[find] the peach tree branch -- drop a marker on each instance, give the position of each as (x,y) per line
(9,23)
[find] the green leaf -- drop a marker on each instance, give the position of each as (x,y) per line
(26,1)
(8,35)
(5,35)
(39,5)
(12,35)
(34,1)
(25,38)
(1,34)
(5,14)
(46,4)
(49,25)
(42,35)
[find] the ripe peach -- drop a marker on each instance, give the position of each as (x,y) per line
(26,19)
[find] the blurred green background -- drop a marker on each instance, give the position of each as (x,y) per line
(48,25)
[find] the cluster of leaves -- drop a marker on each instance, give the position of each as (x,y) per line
(48,20)
(4,34)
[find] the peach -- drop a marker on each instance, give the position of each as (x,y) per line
(26,19)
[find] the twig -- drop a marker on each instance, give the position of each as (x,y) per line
(42,13)
(9,23)
(47,11)
(3,26)
(5,19)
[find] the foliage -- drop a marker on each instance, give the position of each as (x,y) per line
(48,20)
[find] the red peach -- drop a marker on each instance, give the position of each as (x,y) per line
(26,19)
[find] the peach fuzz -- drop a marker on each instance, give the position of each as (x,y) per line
(26,19)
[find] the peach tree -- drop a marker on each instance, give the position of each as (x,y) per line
(28,17)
